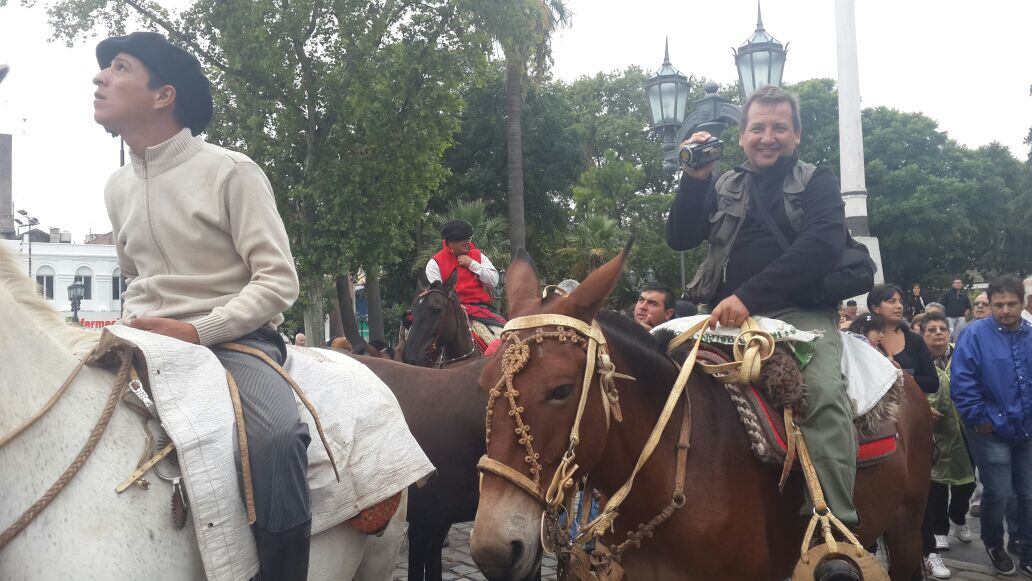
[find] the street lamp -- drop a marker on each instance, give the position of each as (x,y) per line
(668,92)
(760,61)
(76,291)
(29,222)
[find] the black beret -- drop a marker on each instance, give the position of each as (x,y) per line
(172,65)
(456,230)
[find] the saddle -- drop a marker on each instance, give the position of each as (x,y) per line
(761,406)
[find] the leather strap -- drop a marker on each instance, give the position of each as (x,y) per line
(245,454)
(503,470)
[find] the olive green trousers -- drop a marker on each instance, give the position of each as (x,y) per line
(828,425)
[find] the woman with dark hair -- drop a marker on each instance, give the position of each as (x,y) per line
(906,348)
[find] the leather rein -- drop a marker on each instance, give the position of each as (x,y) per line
(555,536)
(456,307)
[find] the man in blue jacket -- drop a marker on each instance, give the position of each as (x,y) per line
(991,384)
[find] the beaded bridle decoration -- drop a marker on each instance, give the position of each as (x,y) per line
(515,356)
(555,536)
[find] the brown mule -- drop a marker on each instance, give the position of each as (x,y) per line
(733,524)
(444,409)
(440,334)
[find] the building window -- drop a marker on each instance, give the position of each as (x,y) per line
(118,285)
(86,276)
(45,282)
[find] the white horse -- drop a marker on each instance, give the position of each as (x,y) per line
(90,532)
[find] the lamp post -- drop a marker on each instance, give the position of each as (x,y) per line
(668,92)
(760,61)
(29,222)
(76,290)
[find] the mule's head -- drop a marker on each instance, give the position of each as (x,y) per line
(434,322)
(532,440)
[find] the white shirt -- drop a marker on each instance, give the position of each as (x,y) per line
(1026,315)
(485,272)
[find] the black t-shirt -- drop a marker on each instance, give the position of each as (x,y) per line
(916,359)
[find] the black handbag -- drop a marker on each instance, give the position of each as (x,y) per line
(852,276)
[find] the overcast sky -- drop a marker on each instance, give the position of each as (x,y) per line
(965,64)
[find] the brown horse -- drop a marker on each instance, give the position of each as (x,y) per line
(733,524)
(444,409)
(440,334)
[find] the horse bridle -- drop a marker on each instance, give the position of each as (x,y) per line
(515,356)
(441,362)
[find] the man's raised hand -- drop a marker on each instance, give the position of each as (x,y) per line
(701,173)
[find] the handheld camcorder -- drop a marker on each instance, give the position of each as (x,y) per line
(696,155)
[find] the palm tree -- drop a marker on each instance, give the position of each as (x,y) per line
(592,241)
(524,30)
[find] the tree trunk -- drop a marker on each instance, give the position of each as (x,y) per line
(336,326)
(347,309)
(514,69)
(315,315)
(372,277)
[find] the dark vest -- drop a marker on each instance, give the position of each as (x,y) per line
(726,221)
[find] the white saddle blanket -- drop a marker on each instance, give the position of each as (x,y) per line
(869,373)
(368,437)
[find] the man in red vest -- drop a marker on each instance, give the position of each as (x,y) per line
(477,276)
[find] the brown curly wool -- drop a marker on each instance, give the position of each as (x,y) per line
(783,382)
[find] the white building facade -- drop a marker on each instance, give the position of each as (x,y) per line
(54,266)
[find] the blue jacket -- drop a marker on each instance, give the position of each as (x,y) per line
(991,378)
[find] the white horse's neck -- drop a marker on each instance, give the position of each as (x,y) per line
(32,364)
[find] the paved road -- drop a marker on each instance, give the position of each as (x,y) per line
(967,560)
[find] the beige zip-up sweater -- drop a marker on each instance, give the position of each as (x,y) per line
(199,239)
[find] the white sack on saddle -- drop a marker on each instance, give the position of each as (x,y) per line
(376,454)
(374,449)
(869,373)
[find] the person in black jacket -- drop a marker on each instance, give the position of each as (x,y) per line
(906,348)
(913,304)
(957,304)
(746,272)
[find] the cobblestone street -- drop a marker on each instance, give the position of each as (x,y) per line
(967,560)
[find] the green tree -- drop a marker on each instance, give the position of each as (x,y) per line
(553,161)
(593,240)
(524,29)
(317,93)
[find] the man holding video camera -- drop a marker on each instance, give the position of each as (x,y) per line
(752,270)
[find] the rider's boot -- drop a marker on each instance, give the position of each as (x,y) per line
(283,556)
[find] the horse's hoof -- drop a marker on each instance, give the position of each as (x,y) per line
(836,570)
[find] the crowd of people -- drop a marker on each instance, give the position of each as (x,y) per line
(973,359)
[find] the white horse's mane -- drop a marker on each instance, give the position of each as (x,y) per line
(23,290)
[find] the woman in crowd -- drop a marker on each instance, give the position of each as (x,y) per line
(953,476)
(905,347)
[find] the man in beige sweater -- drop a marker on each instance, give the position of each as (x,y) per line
(207,260)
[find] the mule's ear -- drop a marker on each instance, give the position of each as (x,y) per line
(586,300)
(449,285)
(522,286)
(421,281)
